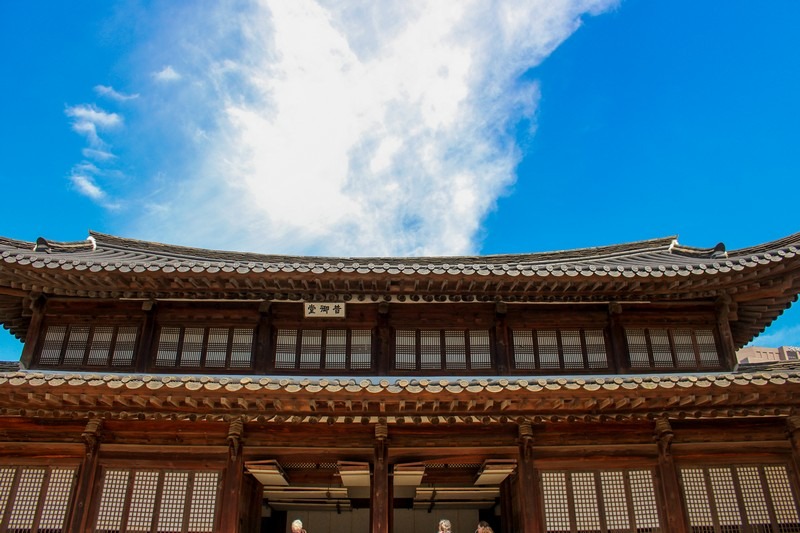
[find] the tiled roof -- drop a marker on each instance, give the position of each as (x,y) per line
(401,399)
(178,383)
(762,280)
(654,257)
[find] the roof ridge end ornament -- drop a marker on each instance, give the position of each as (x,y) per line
(41,245)
(719,251)
(93,242)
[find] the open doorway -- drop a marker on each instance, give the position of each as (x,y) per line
(335,496)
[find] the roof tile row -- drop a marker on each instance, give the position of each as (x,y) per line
(333,385)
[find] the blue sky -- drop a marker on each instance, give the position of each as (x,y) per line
(403,128)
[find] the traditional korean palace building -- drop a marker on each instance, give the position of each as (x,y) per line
(164,388)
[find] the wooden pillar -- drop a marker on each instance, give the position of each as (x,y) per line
(618,360)
(383,341)
(262,351)
(725,313)
(141,358)
(36,310)
(529,490)
(506,507)
(79,516)
(380,504)
(672,502)
(231,500)
(502,353)
(793,432)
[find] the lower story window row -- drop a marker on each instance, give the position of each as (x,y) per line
(718,499)
(601,501)
(157,500)
(724,499)
(35,498)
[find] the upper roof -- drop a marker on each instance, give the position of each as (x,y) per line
(760,281)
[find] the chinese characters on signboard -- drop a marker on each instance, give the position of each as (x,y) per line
(324,310)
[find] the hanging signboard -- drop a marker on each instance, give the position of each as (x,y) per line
(324,310)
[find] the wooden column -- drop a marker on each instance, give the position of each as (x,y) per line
(618,358)
(793,432)
(36,310)
(502,353)
(506,506)
(725,313)
(79,519)
(383,341)
(262,352)
(230,502)
(141,358)
(380,504)
(672,502)
(529,496)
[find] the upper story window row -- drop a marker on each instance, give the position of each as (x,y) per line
(558,342)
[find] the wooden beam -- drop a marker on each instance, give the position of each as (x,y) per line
(380,505)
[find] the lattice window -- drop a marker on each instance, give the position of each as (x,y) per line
(311,349)
(323,349)
(157,501)
(740,498)
(361,349)
(430,349)
(656,348)
(662,351)
(547,342)
(35,498)
(603,501)
(336,349)
(480,351)
(707,347)
(455,351)
(572,348)
(286,348)
(405,350)
(557,508)
(684,348)
(217,351)
(559,350)
(596,348)
(524,351)
(142,501)
(81,345)
(223,348)
(440,349)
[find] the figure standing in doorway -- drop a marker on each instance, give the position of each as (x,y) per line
(484,527)
(297,527)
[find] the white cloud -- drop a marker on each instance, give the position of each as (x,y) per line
(167,74)
(369,128)
(94,115)
(97,155)
(87,119)
(109,92)
(87,187)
